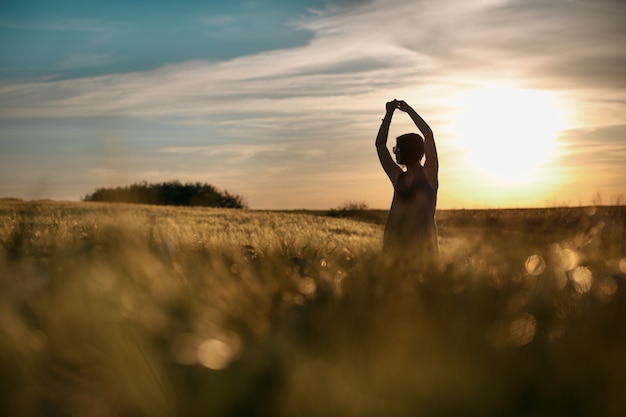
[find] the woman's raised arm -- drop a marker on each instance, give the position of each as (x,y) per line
(392,169)
(431,165)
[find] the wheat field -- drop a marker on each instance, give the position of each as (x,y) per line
(127,310)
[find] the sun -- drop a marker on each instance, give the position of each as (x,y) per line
(508,133)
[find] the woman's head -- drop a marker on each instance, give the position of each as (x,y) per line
(409,148)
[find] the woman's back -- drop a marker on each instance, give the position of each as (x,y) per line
(411,225)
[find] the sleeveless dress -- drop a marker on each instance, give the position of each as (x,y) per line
(411,229)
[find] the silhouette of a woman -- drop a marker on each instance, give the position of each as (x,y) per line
(411,230)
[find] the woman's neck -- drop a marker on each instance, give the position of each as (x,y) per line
(415,168)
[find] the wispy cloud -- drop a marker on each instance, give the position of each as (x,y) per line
(378,46)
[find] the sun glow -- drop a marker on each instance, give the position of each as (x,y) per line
(508,133)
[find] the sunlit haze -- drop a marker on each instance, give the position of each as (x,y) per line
(509,135)
(281,101)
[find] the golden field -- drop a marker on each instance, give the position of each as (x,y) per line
(127,310)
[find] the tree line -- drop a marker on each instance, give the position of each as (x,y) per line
(172,193)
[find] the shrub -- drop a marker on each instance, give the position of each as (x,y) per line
(348,209)
(171,193)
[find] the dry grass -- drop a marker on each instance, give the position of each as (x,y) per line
(116,310)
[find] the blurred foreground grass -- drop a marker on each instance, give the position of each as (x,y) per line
(119,310)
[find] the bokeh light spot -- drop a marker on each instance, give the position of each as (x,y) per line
(605,289)
(568,259)
(582,279)
(535,265)
(622,265)
(307,286)
(216,353)
(522,331)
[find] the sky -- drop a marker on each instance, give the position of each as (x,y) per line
(280,101)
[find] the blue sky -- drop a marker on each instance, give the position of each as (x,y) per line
(67,39)
(280,101)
